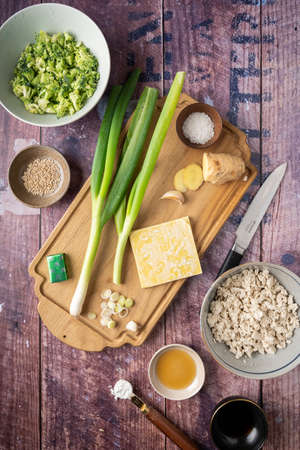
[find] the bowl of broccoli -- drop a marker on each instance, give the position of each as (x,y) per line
(55,65)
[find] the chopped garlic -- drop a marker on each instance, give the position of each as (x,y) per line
(122,300)
(111,324)
(114,304)
(129,302)
(132,326)
(92,315)
(104,321)
(123,313)
(111,305)
(107,312)
(106,294)
(114,296)
(118,308)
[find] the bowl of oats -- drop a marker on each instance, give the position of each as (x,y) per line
(250,320)
(39,176)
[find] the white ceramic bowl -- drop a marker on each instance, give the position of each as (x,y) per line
(258,366)
(177,394)
(20,29)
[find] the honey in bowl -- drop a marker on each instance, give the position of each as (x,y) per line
(175,369)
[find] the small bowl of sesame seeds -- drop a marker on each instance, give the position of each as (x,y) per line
(39,176)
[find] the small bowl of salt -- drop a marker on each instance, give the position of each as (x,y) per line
(199,125)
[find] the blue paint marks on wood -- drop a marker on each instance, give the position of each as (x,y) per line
(267,219)
(268,39)
(268,71)
(253,2)
(205,24)
(265,133)
(150,75)
(237,97)
(168,15)
(288,259)
(246,39)
(244,17)
(235,219)
(255,158)
(167,75)
(267,97)
(246,197)
(138,16)
(233,56)
(254,133)
(156,40)
(148,27)
(130,59)
(269,21)
(168,58)
(143,30)
(207,54)
(246,2)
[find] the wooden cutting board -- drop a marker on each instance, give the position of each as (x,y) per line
(208,209)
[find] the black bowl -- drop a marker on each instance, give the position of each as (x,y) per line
(238,424)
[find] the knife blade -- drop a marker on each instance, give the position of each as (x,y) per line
(253,217)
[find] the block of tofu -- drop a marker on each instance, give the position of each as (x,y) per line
(165,252)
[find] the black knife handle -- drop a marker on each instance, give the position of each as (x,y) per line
(233,259)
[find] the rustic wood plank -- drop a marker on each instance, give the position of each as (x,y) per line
(207,40)
(19,323)
(76,382)
(210,41)
(280,239)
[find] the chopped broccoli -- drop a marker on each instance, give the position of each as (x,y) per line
(55,75)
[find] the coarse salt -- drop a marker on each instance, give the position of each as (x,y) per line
(198,128)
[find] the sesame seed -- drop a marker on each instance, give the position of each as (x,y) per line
(42,177)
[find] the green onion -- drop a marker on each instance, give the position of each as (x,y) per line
(100,152)
(139,187)
(102,172)
(137,134)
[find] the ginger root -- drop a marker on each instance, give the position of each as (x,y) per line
(219,168)
(188,178)
(192,177)
(178,181)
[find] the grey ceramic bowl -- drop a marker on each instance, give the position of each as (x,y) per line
(20,29)
(258,366)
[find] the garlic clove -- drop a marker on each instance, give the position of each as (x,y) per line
(132,326)
(173,195)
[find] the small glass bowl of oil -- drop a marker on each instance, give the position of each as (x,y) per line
(176,372)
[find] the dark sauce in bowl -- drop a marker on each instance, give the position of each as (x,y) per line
(239,424)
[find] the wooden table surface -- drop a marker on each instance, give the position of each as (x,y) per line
(240,56)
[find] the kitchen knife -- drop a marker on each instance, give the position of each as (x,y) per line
(253,217)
